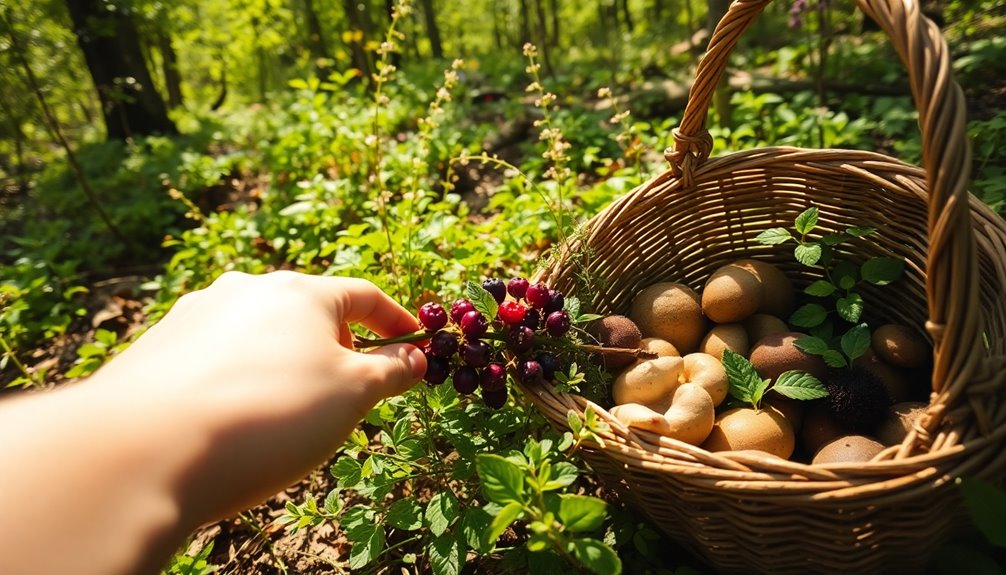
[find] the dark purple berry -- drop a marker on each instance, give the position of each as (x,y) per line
(474,324)
(532,319)
(494,399)
(466,379)
(496,287)
(432,316)
(493,377)
(557,323)
(556,301)
(549,365)
(459,308)
(537,295)
(520,339)
(512,312)
(517,287)
(528,371)
(444,344)
(476,353)
(437,370)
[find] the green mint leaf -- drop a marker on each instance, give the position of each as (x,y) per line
(820,288)
(856,341)
(442,511)
(348,471)
(850,308)
(808,254)
(405,514)
(858,232)
(811,345)
(475,524)
(834,358)
(595,556)
(574,422)
(773,236)
(807,220)
(572,306)
(333,502)
(823,331)
(368,542)
(986,504)
(447,554)
(847,282)
(809,315)
(502,480)
(832,240)
(799,385)
(564,474)
(745,383)
(586,317)
(507,515)
(882,271)
(483,301)
(843,272)
(581,513)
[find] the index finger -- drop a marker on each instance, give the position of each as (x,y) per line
(360,301)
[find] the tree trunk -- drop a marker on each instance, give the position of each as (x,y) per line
(358,22)
(541,36)
(627,16)
(111,47)
(554,9)
(169,67)
(721,98)
(315,37)
(432,30)
(525,22)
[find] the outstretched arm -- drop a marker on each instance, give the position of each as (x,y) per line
(240,390)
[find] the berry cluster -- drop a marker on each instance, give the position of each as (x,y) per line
(477,351)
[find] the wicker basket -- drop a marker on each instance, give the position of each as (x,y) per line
(744,512)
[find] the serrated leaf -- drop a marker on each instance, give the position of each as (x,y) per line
(820,288)
(834,358)
(745,383)
(563,475)
(368,542)
(348,471)
(442,511)
(986,504)
(475,522)
(773,236)
(333,502)
(595,556)
(807,220)
(502,480)
(809,315)
(833,239)
(850,308)
(447,554)
(811,345)
(859,231)
(580,513)
(808,254)
(507,515)
(856,341)
(406,514)
(882,271)
(800,385)
(587,317)
(572,306)
(483,301)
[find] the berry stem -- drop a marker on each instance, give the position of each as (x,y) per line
(364,343)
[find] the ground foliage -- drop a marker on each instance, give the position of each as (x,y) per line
(428,174)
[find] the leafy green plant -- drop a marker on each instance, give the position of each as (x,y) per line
(749,388)
(94,354)
(842,304)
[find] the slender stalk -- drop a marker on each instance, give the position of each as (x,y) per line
(9,352)
(53,125)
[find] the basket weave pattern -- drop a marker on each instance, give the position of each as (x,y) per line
(745,511)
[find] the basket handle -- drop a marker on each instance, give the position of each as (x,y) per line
(952,265)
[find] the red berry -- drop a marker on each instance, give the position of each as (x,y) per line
(537,295)
(520,339)
(437,370)
(494,399)
(517,287)
(557,323)
(528,371)
(476,353)
(496,287)
(474,324)
(444,344)
(432,316)
(459,308)
(512,312)
(466,379)
(556,301)
(493,377)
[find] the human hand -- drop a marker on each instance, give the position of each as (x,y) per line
(262,367)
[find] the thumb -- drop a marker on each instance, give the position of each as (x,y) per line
(395,367)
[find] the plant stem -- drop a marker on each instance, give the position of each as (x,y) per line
(9,352)
(364,343)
